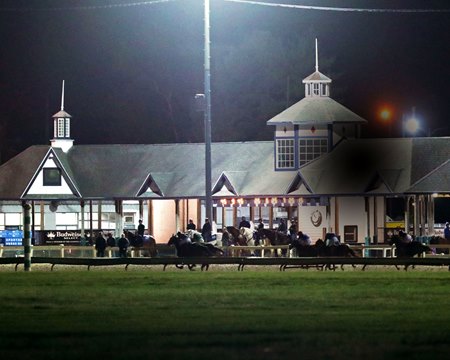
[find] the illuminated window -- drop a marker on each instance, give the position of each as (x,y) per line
(52,177)
(309,149)
(285,154)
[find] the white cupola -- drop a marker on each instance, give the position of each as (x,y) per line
(61,127)
(317,84)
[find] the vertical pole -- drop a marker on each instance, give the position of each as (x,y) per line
(82,237)
(207,67)
(177,215)
(27,236)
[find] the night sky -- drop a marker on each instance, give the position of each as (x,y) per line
(131,72)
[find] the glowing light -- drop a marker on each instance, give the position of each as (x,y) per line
(412,125)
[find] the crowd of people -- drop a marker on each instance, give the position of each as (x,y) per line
(127,239)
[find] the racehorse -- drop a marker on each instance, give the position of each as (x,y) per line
(189,249)
(147,243)
(410,249)
(275,238)
(341,250)
(247,235)
(236,238)
(438,240)
(149,246)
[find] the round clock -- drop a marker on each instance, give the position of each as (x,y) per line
(316,218)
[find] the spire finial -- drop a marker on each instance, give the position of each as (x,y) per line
(317,57)
(62,97)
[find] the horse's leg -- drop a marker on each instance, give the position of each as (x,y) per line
(179,266)
(191,267)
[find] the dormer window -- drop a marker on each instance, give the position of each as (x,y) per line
(285,154)
(52,177)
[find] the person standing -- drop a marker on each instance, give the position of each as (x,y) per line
(191,225)
(100,245)
(207,230)
(447,231)
(110,241)
(141,228)
(282,227)
(123,244)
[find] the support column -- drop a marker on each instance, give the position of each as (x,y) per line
(82,237)
(91,224)
(430,214)
(423,213)
(367,208)
(119,218)
(27,236)
(375,222)
(416,215)
(33,230)
(141,209)
(42,213)
(150,216)
(99,214)
(177,215)
(336,215)
(407,213)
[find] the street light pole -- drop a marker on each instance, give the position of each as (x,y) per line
(207,69)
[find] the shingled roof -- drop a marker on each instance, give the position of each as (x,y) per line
(316,111)
(353,168)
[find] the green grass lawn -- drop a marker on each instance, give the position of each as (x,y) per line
(139,314)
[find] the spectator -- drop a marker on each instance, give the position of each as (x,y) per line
(123,244)
(447,231)
(207,230)
(100,245)
(110,241)
(191,225)
(282,226)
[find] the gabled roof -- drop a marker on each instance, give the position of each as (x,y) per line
(437,181)
(17,173)
(362,166)
(315,111)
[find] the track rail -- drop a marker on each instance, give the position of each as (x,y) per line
(240,262)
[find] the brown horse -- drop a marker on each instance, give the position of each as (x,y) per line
(236,237)
(438,240)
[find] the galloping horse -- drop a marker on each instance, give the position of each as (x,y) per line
(340,250)
(410,249)
(406,250)
(189,249)
(438,240)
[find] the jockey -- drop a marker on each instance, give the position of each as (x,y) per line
(303,239)
(404,237)
(331,240)
(184,239)
(244,223)
(447,231)
(293,230)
